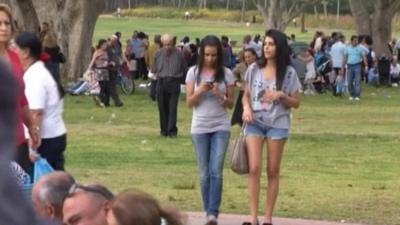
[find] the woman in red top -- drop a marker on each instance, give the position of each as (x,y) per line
(23,114)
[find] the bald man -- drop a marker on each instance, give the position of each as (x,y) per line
(49,193)
(170,68)
(87,205)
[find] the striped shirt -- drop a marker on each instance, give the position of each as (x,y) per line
(169,64)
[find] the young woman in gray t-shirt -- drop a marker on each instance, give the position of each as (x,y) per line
(271,90)
(209,91)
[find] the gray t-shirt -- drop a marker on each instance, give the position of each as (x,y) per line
(209,115)
(273,114)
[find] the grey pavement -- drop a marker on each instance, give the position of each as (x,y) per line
(197,218)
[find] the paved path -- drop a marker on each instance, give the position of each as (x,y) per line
(196,218)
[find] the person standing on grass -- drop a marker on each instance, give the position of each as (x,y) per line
(209,91)
(248,58)
(353,58)
(22,113)
(115,57)
(45,96)
(271,89)
(169,68)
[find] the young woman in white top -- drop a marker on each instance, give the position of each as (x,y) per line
(271,89)
(209,91)
(45,98)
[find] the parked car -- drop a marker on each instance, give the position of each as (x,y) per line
(299,48)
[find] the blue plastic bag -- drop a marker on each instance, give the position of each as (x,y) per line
(40,168)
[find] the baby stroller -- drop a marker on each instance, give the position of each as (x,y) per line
(324,67)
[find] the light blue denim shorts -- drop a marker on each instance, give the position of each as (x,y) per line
(259,129)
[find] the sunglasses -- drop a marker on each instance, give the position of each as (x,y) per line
(88,188)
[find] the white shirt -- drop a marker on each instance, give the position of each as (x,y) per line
(337,54)
(42,94)
(395,70)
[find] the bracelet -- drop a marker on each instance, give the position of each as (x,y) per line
(37,128)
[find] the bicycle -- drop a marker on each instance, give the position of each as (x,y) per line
(125,81)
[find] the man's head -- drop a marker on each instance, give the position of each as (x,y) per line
(224,40)
(86,205)
(167,41)
(354,40)
(49,193)
(45,26)
(114,39)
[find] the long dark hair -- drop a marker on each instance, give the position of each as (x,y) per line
(282,55)
(212,41)
(100,43)
(31,42)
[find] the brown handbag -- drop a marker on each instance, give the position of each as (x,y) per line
(239,159)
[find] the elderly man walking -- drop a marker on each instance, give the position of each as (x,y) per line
(169,67)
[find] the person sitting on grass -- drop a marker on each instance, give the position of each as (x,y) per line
(86,205)
(49,193)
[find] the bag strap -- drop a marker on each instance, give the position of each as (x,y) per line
(242,129)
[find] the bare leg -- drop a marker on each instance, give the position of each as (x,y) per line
(274,157)
(254,148)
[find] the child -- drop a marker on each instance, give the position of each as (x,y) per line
(340,86)
(310,72)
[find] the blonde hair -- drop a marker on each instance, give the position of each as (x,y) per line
(50,40)
(135,207)
(7,10)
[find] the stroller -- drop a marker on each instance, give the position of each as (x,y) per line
(323,66)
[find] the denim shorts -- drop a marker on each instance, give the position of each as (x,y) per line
(258,129)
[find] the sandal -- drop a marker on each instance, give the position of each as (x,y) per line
(249,223)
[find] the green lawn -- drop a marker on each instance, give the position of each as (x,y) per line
(341,162)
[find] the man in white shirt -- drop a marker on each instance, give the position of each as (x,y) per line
(337,56)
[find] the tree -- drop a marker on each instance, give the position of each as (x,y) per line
(243,11)
(25,19)
(280,13)
(376,22)
(72,20)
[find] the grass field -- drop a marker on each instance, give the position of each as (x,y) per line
(341,162)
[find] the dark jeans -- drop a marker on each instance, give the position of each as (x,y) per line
(22,158)
(142,68)
(108,88)
(153,90)
(168,90)
(52,149)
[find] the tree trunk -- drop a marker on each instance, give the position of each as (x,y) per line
(227,4)
(243,10)
(24,14)
(316,11)
(74,22)
(303,22)
(361,17)
(275,14)
(264,13)
(325,5)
